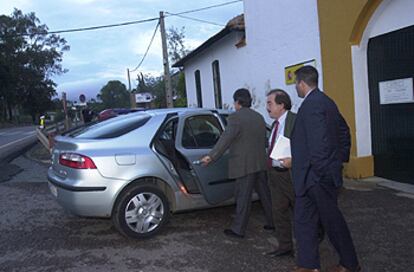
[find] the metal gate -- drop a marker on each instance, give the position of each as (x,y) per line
(391,57)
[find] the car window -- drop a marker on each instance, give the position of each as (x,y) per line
(224,117)
(170,130)
(165,140)
(201,131)
(111,128)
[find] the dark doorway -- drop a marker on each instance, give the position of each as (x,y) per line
(217,85)
(198,89)
(391,57)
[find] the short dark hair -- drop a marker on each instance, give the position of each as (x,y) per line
(281,97)
(243,97)
(307,74)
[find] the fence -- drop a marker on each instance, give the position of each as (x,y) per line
(46,135)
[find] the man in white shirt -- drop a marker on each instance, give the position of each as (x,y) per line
(278,106)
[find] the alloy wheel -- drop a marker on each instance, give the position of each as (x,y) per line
(144,212)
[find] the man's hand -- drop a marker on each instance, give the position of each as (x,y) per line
(205,160)
(286,162)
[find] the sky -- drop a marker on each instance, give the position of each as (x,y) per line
(97,56)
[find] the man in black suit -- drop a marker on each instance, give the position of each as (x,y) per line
(320,143)
(245,138)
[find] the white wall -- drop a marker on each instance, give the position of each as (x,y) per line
(279,33)
(232,63)
(391,15)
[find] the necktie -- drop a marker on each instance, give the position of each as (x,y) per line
(272,143)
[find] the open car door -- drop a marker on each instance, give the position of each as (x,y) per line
(197,133)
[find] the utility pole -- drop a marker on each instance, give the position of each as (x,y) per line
(167,78)
(132,100)
(129,80)
(65,110)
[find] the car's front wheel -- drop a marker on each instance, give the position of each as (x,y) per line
(141,211)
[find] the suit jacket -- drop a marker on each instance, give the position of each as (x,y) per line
(245,137)
(289,124)
(320,143)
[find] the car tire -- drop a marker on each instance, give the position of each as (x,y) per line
(141,211)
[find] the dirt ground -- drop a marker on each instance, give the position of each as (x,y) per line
(36,234)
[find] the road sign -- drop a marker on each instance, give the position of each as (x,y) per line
(82,98)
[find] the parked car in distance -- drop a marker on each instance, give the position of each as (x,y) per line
(139,168)
(110,113)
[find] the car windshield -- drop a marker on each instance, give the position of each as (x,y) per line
(111,128)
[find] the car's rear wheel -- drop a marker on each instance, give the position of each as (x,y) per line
(141,211)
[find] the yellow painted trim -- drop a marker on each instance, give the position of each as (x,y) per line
(342,23)
(359,167)
(362,21)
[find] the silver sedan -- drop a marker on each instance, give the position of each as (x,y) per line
(139,168)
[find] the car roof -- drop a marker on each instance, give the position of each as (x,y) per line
(185,110)
(166,111)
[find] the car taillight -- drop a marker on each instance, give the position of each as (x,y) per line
(77,161)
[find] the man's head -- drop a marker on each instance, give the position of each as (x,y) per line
(277,103)
(242,99)
(306,80)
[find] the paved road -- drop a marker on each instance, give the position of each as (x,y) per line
(36,234)
(10,135)
(14,139)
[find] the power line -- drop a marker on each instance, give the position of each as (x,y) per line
(209,7)
(148,48)
(102,26)
(136,22)
(91,27)
(195,19)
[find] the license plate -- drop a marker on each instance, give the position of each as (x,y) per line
(53,190)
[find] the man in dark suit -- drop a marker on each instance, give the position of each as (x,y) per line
(320,143)
(245,137)
(278,106)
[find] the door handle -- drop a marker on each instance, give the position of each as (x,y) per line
(197,162)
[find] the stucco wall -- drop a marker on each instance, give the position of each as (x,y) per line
(337,19)
(391,15)
(345,66)
(279,33)
(232,62)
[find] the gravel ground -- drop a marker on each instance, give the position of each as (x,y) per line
(38,235)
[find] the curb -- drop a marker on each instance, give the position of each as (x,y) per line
(370,183)
(398,186)
(29,155)
(12,152)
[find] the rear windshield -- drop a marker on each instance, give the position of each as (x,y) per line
(111,128)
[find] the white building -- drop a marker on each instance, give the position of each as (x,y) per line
(272,43)
(364,51)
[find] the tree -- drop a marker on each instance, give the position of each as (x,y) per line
(181,100)
(176,51)
(143,83)
(114,95)
(153,85)
(29,58)
(176,47)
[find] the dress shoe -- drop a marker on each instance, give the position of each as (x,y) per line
(268,227)
(280,253)
(231,233)
(340,268)
(301,269)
